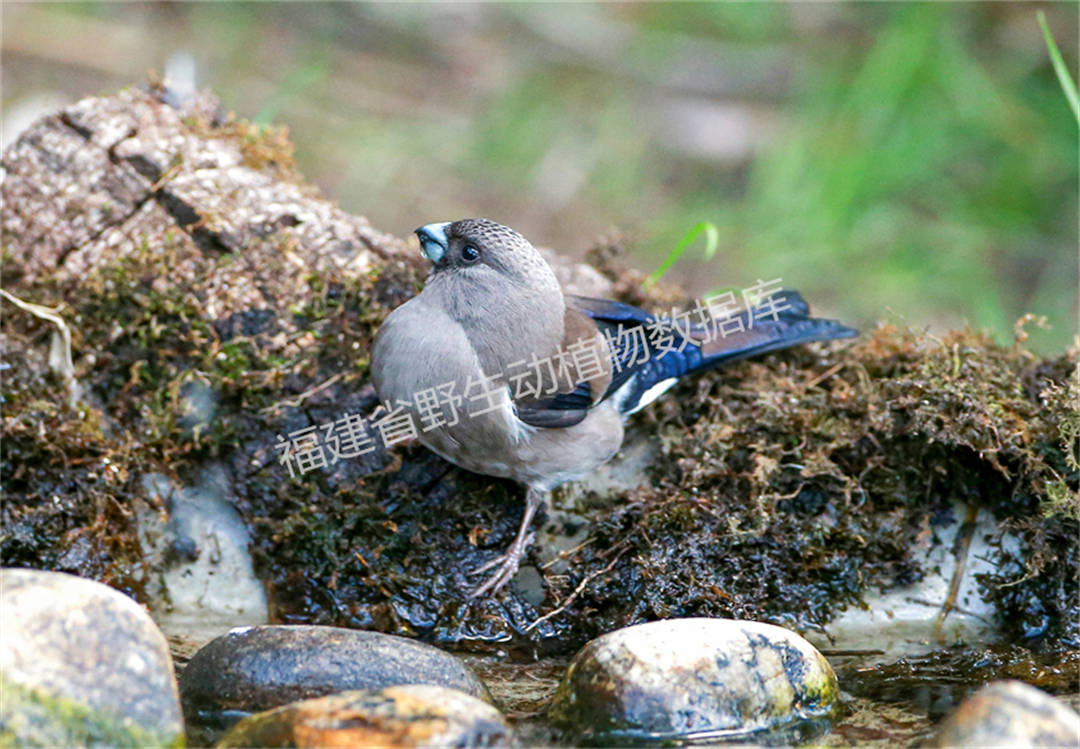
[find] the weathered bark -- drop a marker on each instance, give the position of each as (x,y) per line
(88,185)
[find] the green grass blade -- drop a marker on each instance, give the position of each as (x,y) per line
(1062,71)
(712,241)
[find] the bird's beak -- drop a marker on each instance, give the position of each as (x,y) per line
(433,240)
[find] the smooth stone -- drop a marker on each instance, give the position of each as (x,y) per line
(411,715)
(692,679)
(911,619)
(82,663)
(208,584)
(252,669)
(1012,714)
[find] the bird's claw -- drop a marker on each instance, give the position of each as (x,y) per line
(507,563)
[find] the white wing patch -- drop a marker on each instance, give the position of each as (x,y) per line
(652,393)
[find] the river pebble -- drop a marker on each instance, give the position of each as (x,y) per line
(692,679)
(1012,714)
(404,716)
(81,664)
(251,669)
(906,620)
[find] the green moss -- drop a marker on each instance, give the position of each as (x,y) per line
(783,488)
(782,496)
(31,717)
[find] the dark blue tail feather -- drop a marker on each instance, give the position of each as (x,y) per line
(784,322)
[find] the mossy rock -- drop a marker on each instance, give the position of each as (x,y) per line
(780,489)
(32,717)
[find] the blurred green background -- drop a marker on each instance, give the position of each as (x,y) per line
(903,161)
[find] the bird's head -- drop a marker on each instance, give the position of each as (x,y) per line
(491,280)
(478,252)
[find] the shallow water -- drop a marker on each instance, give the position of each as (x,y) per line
(896,703)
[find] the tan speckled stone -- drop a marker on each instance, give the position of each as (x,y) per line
(405,716)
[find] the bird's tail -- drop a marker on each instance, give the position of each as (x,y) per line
(781,321)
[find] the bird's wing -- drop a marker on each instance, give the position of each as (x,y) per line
(641,369)
(573,397)
(644,367)
(559,412)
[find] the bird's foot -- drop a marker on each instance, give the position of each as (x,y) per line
(507,565)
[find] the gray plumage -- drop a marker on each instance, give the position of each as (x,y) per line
(477,319)
(491,304)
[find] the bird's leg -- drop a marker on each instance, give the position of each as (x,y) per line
(508,563)
(492,563)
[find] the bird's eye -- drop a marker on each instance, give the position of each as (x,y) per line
(469,253)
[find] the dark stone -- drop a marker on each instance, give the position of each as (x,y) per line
(257,668)
(100,202)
